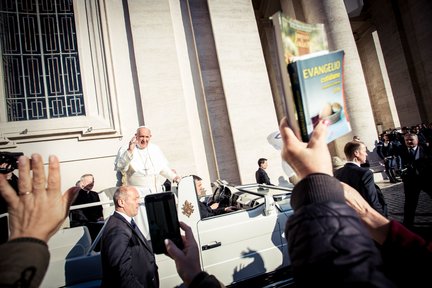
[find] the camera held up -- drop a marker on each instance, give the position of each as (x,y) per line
(11,161)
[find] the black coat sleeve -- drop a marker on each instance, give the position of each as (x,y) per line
(328,244)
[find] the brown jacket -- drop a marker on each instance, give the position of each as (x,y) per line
(23,262)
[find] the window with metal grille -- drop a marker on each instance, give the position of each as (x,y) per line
(42,77)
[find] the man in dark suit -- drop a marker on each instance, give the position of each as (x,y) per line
(127,257)
(261,175)
(83,216)
(92,217)
(361,178)
(206,210)
(416,176)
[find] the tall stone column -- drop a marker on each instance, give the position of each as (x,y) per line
(335,18)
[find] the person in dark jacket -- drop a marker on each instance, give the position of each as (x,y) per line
(126,255)
(261,176)
(361,178)
(387,150)
(204,209)
(330,244)
(417,163)
(86,195)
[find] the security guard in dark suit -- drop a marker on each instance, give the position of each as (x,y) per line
(417,172)
(127,256)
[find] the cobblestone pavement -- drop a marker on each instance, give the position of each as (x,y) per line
(394,196)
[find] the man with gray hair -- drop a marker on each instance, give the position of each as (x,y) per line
(417,164)
(141,163)
(126,255)
(87,216)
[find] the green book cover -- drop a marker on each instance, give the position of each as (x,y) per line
(317,84)
(299,38)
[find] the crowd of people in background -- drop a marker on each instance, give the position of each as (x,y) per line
(391,141)
(407,155)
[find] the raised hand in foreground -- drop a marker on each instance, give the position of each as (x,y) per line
(306,158)
(39,209)
(188,263)
(35,214)
(314,157)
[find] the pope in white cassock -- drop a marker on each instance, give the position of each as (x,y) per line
(140,164)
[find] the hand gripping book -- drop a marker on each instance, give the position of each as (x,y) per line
(317,85)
